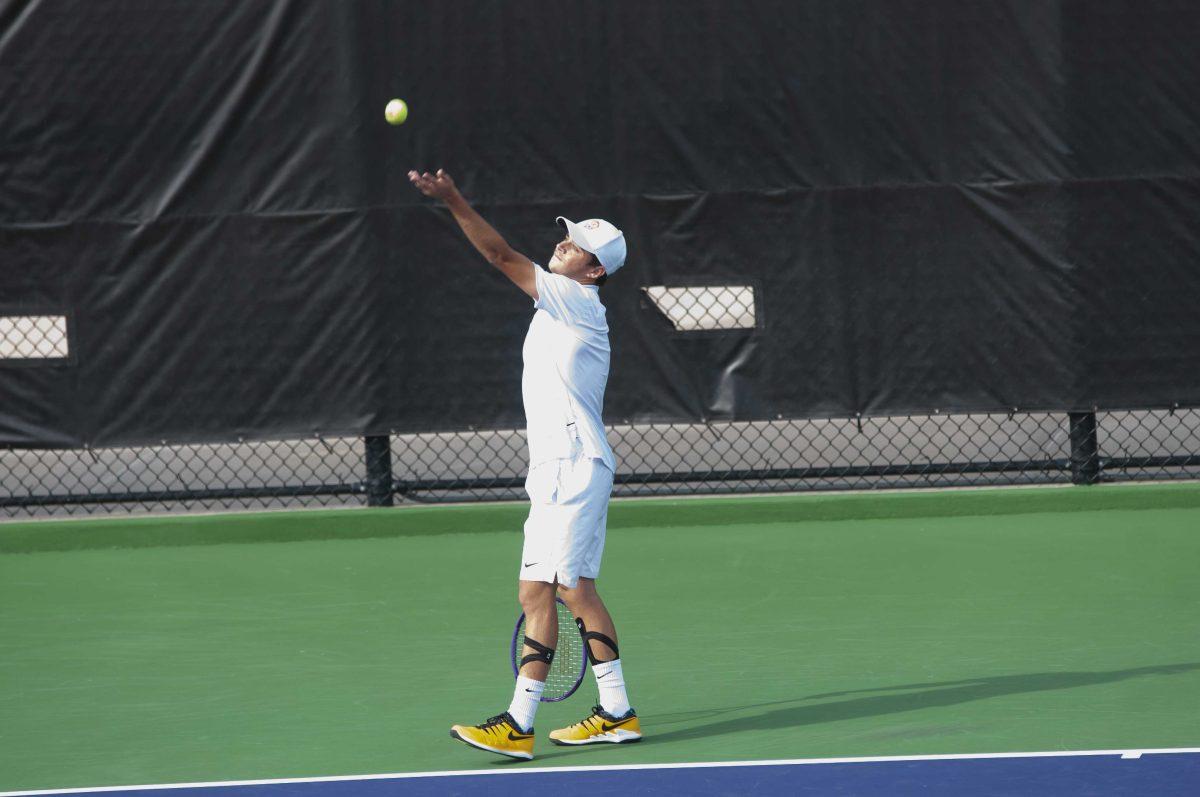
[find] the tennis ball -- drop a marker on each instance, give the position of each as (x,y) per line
(396,112)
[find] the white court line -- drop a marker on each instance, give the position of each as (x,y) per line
(1126,753)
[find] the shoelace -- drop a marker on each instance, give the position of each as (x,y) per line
(493,722)
(589,722)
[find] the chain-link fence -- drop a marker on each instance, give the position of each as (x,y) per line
(939,450)
(934,450)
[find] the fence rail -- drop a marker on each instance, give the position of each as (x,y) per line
(937,450)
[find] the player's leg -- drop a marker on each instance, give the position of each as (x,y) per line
(613,720)
(541,628)
(544,530)
(541,639)
(511,733)
(586,606)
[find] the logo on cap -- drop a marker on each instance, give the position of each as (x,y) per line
(590,225)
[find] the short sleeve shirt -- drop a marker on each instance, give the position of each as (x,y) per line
(566,359)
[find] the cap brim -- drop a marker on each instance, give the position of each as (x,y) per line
(575,232)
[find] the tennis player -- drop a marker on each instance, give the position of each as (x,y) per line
(571,465)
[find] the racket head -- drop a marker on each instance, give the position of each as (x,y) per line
(569,665)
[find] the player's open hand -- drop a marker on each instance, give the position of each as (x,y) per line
(440,185)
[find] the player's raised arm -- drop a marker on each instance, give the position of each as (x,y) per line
(482,235)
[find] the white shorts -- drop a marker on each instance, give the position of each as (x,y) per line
(568,514)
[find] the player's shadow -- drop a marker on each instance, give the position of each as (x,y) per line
(915,697)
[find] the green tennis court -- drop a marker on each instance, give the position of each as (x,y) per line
(274,645)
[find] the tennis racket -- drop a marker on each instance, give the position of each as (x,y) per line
(570,663)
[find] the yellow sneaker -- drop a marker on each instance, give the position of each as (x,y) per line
(601,727)
(500,734)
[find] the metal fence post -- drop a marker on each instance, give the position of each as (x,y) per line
(379,470)
(1085,450)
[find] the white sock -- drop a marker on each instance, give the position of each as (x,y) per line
(611,682)
(525,701)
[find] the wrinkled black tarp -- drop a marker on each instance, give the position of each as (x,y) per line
(961,206)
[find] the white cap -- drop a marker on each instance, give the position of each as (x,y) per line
(600,238)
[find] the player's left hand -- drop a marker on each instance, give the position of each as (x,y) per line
(440,186)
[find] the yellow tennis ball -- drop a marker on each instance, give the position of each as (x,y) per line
(396,112)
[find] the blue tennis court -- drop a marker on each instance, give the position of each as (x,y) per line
(1110,772)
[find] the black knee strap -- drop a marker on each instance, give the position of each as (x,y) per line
(543,653)
(588,636)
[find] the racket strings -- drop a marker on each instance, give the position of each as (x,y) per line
(566,668)
(564,671)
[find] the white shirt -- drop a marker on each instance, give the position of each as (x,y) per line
(566,357)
